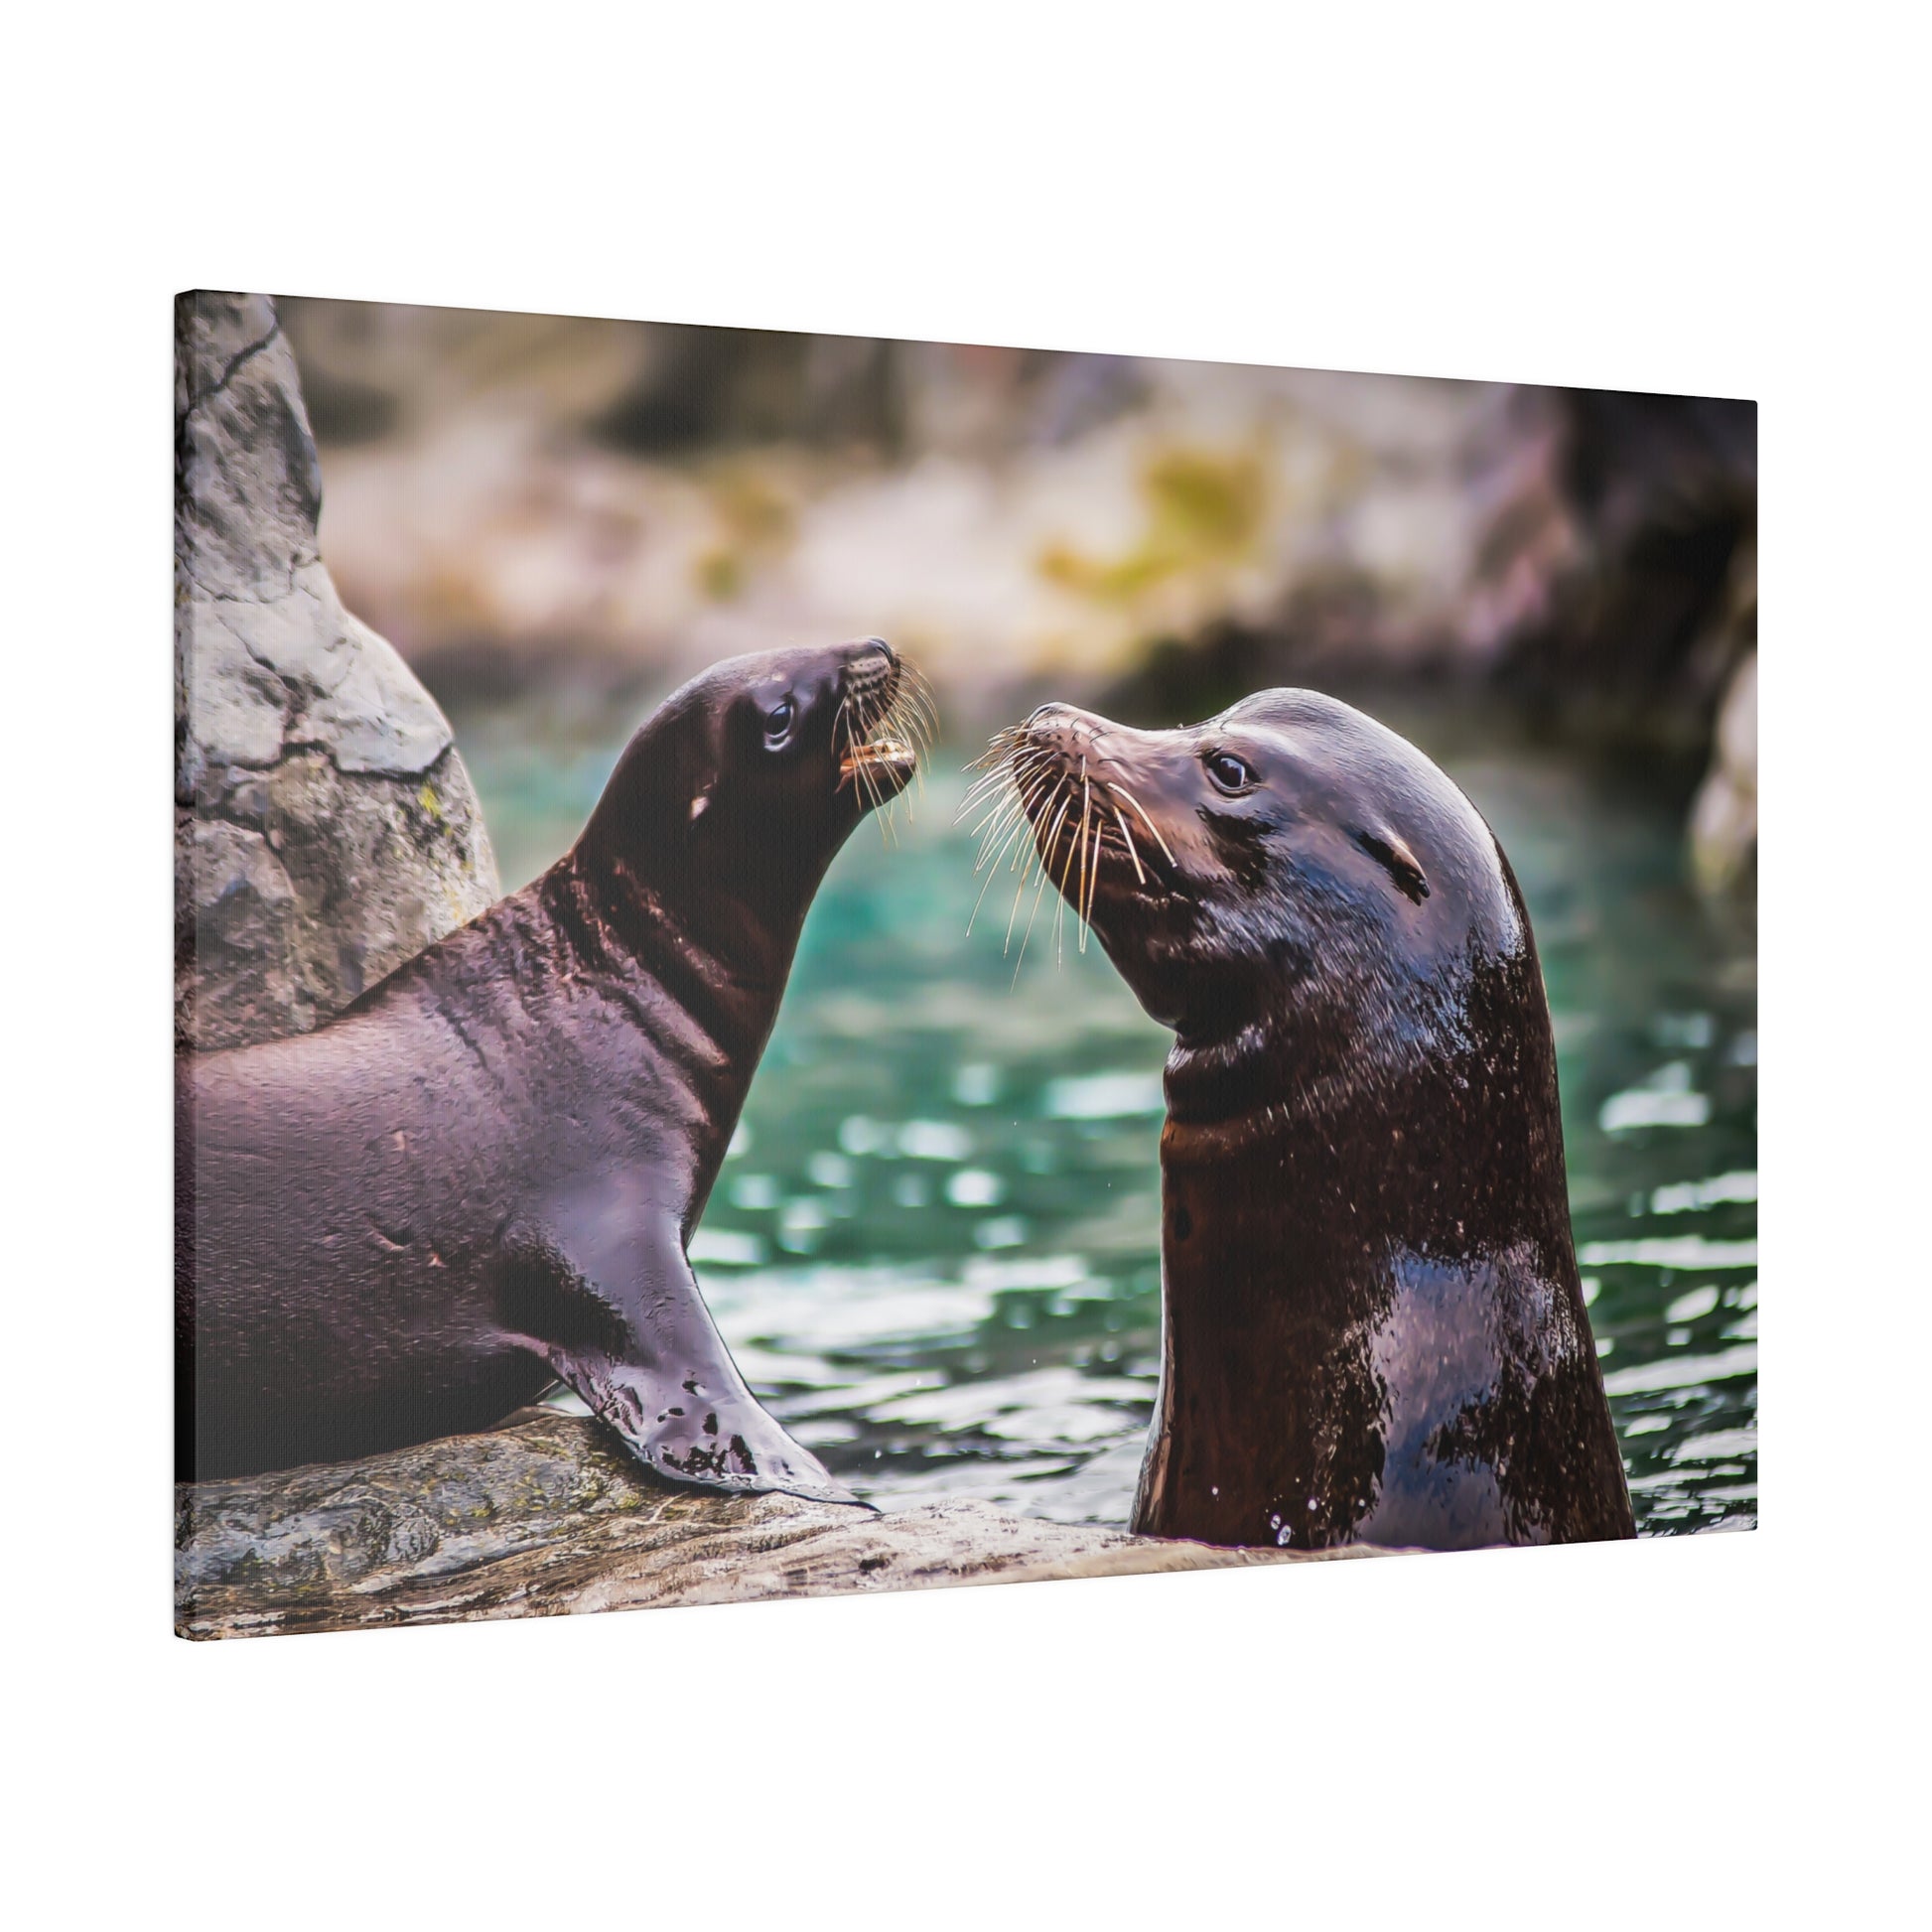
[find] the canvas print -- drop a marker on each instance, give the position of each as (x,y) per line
(810,964)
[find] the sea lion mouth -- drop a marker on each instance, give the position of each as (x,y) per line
(1051,800)
(886,754)
(886,721)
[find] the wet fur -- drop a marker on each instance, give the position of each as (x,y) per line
(481,1176)
(1372,1323)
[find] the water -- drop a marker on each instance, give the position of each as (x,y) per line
(934,1248)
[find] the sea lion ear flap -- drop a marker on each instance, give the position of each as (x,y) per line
(1394,858)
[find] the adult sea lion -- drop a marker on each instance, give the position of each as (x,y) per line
(1372,1328)
(482,1174)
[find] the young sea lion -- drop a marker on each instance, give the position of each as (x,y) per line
(482,1174)
(1372,1326)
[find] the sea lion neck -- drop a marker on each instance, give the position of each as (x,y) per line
(1342,1244)
(1438,1141)
(1277,1068)
(659,916)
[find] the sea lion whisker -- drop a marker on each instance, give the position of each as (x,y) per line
(1145,819)
(1019,892)
(1038,786)
(993,872)
(1086,810)
(916,681)
(974,799)
(986,801)
(1008,770)
(925,707)
(888,818)
(870,781)
(1003,746)
(1051,845)
(1138,874)
(914,713)
(1002,801)
(1051,783)
(999,827)
(1026,816)
(1093,875)
(906,718)
(855,763)
(984,787)
(1060,909)
(1096,853)
(1031,918)
(1006,800)
(999,841)
(1029,764)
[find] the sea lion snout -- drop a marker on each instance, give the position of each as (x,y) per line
(1111,780)
(884,715)
(871,671)
(1062,788)
(1070,732)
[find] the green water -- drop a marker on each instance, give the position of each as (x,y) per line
(934,1248)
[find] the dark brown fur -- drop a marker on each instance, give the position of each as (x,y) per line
(482,1174)
(1372,1325)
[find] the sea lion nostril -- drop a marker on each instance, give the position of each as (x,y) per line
(873,659)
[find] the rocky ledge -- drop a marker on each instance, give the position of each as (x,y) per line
(548,1515)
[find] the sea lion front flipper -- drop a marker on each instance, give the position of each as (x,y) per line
(618,1316)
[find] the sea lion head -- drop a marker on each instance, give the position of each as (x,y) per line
(1290,870)
(745,781)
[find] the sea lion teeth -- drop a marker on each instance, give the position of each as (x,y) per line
(888,751)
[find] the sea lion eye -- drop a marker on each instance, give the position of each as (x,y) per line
(1230,774)
(777,723)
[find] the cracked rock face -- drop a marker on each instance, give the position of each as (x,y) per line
(324,828)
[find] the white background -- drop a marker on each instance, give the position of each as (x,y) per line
(1674,197)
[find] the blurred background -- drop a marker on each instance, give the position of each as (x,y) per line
(934,1248)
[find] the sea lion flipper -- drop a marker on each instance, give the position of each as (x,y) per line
(622,1321)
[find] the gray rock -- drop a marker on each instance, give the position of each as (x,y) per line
(549,1515)
(1723,819)
(325,829)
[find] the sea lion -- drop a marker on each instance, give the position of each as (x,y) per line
(1372,1326)
(482,1174)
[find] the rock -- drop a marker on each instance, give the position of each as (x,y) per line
(1723,820)
(1659,597)
(640,499)
(549,1515)
(324,828)
(515,493)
